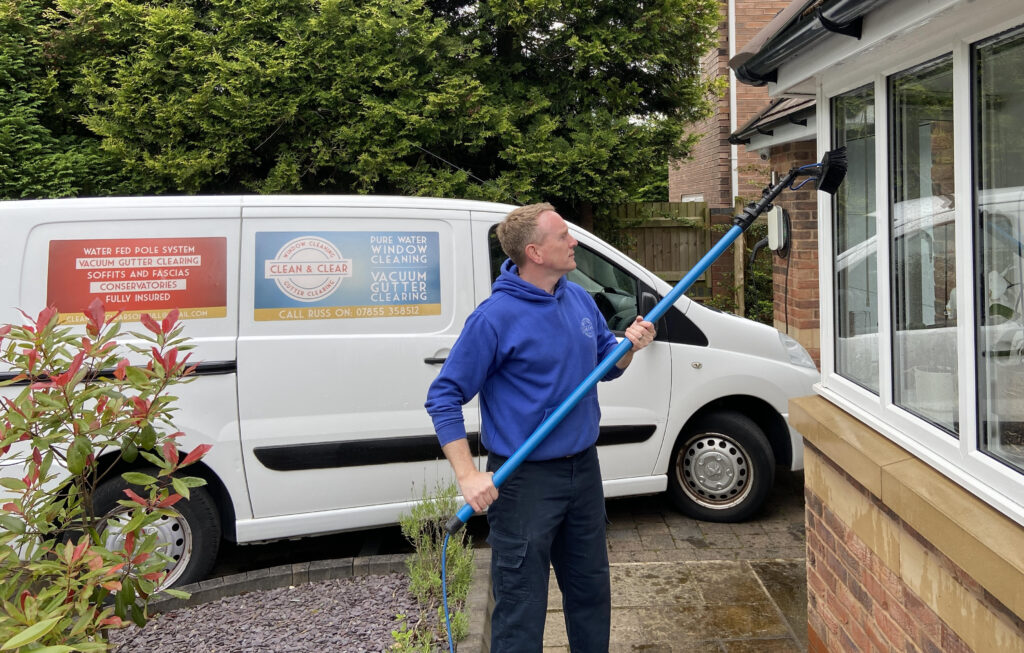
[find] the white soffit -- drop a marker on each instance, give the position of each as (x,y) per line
(784,133)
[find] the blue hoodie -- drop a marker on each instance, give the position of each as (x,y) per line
(524,351)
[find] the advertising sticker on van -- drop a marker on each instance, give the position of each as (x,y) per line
(138,275)
(346,274)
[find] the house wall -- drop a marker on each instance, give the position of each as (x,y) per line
(899,558)
(707,171)
(795,278)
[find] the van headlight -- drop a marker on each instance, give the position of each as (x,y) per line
(797,354)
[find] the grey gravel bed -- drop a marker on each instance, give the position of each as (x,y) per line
(350,614)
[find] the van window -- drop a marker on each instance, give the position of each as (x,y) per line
(614,290)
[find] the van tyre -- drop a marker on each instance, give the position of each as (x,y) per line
(193,533)
(722,469)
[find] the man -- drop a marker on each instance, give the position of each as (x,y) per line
(524,350)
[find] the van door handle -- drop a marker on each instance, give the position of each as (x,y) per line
(433,360)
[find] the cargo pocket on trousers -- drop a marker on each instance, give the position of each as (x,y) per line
(510,572)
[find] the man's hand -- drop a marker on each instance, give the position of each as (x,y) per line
(641,333)
(478,489)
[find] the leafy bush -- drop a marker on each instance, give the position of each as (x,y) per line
(424,528)
(67,574)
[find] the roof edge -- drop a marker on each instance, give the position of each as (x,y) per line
(789,35)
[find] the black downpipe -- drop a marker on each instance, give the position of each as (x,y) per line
(839,16)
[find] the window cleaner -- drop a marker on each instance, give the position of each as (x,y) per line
(828,174)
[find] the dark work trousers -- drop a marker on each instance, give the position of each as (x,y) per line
(549,513)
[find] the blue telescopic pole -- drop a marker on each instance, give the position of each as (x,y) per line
(542,431)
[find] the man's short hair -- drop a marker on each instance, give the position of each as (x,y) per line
(519,229)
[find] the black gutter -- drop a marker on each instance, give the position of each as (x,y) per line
(837,16)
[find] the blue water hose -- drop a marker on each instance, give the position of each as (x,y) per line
(444,593)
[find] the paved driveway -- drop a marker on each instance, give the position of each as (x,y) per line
(683,585)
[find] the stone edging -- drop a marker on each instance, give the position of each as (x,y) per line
(311,572)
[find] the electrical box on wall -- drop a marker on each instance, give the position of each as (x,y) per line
(776,229)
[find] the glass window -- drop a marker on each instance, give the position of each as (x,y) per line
(614,290)
(856,250)
(923,256)
(999,253)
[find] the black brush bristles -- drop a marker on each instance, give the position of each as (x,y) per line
(833,170)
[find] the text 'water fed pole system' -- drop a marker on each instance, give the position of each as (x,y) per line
(828,175)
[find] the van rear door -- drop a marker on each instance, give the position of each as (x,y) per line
(143,255)
(347,313)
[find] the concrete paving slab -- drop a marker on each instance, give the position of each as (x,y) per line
(681,586)
(785,582)
(666,604)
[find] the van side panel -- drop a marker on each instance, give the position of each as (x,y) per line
(346,315)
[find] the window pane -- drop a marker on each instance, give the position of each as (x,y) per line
(999,258)
(923,256)
(856,250)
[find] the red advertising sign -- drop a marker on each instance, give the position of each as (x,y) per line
(138,275)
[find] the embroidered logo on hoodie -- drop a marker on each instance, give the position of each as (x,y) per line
(587,327)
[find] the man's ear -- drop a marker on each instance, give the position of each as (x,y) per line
(533,253)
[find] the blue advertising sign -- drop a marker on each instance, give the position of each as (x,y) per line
(346,274)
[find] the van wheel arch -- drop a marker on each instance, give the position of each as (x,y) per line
(769,420)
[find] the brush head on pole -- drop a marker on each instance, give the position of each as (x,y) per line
(833,170)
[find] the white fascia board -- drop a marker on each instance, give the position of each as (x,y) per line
(884,38)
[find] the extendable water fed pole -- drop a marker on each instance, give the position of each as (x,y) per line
(828,174)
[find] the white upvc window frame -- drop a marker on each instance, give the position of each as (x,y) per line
(957,458)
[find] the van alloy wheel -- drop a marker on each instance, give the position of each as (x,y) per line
(714,471)
(173,531)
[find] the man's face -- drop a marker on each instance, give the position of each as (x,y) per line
(554,244)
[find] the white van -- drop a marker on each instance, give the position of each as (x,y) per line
(320,321)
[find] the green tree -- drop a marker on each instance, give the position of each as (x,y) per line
(602,92)
(577,103)
(42,153)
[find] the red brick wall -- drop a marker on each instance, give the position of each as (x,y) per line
(707,171)
(796,276)
(856,603)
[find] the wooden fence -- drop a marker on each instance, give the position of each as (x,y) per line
(667,238)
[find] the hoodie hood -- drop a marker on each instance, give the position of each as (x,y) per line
(511,283)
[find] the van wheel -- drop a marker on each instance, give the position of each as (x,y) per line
(192,533)
(722,469)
